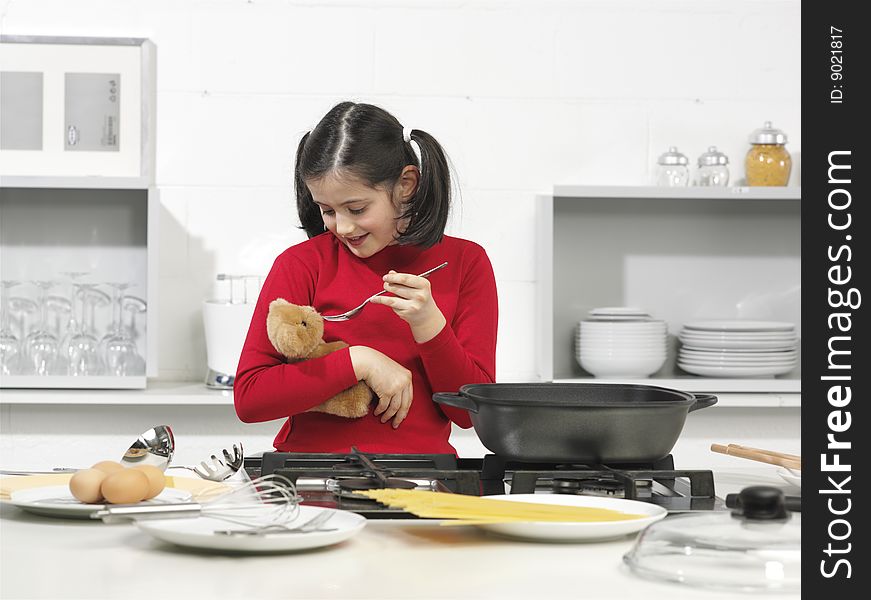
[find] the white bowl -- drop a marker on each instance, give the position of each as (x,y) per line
(623,325)
(621,366)
(621,351)
(619,310)
(621,334)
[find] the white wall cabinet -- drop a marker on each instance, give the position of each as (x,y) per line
(77,107)
(681,254)
(77,192)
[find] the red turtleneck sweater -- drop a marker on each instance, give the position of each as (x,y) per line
(323,273)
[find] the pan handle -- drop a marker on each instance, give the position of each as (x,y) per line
(456,400)
(703,401)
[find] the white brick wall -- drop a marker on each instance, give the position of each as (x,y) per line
(523,94)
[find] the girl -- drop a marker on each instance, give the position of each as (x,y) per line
(375,214)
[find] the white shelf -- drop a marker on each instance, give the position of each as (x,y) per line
(156,394)
(66,382)
(706,385)
(718,193)
(590,238)
(197,394)
(88,182)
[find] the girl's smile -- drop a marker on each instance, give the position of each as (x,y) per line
(362,217)
(356,241)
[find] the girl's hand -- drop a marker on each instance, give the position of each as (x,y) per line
(413,303)
(390,381)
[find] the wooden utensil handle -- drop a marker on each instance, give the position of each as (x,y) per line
(757,456)
(770,452)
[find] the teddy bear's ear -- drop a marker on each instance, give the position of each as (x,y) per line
(277,303)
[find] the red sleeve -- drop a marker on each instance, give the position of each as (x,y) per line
(464,351)
(267,388)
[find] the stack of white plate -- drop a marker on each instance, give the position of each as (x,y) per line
(738,348)
(620,342)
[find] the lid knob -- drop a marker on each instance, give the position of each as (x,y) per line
(759,503)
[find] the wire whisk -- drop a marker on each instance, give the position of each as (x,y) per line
(267,500)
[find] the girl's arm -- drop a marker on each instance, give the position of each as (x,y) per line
(266,388)
(464,351)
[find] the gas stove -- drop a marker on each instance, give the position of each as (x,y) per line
(333,480)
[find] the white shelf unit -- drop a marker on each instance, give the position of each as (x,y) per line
(680,253)
(157,394)
(77,187)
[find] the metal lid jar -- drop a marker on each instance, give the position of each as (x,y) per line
(672,169)
(768,162)
(713,168)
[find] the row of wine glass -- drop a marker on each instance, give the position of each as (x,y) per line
(45,333)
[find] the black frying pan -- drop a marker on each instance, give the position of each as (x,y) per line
(580,422)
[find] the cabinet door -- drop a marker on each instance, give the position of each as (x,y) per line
(76,107)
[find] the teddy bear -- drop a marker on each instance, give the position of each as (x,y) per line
(297,333)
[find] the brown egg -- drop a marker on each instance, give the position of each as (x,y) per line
(126,486)
(85,485)
(108,466)
(156,479)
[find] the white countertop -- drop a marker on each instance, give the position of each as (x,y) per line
(43,557)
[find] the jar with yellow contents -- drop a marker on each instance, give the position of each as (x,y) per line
(768,162)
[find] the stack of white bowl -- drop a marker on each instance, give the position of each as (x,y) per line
(738,348)
(621,342)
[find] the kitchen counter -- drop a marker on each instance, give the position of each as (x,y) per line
(42,557)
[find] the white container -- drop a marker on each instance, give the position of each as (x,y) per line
(226,326)
(615,366)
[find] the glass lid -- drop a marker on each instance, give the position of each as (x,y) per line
(756,548)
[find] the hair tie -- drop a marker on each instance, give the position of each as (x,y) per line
(406,134)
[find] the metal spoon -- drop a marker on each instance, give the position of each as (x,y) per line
(354,311)
(153,447)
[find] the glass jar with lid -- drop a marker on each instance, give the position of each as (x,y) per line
(672,169)
(768,162)
(713,168)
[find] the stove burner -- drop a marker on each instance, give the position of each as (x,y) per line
(355,485)
(601,487)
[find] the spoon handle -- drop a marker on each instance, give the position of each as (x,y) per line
(424,274)
(433,270)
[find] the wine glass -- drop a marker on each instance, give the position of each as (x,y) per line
(59,309)
(115,325)
(74,323)
(82,350)
(41,346)
(10,345)
(120,351)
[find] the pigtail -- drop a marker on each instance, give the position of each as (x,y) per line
(309,214)
(428,211)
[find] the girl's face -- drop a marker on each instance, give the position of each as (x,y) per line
(363,218)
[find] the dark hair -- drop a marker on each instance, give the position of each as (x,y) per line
(367,142)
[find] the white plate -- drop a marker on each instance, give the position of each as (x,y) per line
(699,344)
(737,355)
(737,364)
(200,533)
(622,325)
(57,501)
(738,338)
(789,477)
(740,325)
(708,371)
(577,532)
